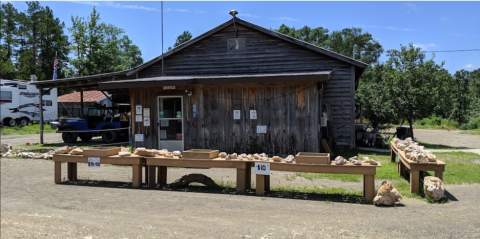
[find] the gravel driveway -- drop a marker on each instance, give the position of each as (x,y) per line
(33,206)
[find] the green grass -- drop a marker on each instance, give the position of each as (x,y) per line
(471,131)
(461,168)
(29,129)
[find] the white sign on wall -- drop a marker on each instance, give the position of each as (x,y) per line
(138,137)
(236,114)
(138,118)
(253,114)
(261,129)
(146,121)
(163,134)
(146,112)
(138,109)
(164,123)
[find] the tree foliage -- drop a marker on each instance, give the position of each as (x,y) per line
(182,38)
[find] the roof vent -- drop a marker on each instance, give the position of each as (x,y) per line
(233,12)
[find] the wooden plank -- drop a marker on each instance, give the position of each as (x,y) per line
(58,172)
(260,185)
(414,181)
(369,186)
(151,176)
(136,176)
(241,180)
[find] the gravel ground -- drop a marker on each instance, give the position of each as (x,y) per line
(453,138)
(33,206)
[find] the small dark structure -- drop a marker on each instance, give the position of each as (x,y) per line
(238,88)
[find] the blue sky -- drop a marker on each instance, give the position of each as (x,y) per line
(433,26)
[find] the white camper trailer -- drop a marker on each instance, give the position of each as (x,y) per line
(20,103)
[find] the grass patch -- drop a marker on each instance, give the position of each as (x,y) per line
(471,131)
(29,129)
(460,168)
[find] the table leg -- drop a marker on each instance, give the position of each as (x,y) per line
(369,186)
(439,174)
(414,181)
(162,176)
(151,176)
(402,168)
(72,171)
(248,176)
(260,191)
(58,172)
(393,155)
(267,183)
(137,175)
(241,179)
(146,173)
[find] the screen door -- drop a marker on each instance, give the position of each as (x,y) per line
(170,133)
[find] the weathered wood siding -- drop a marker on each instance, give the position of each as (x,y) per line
(290,112)
(263,54)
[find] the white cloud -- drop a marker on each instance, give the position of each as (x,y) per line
(199,11)
(181,10)
(117,5)
(284,19)
(382,27)
(468,66)
(412,7)
(424,46)
(87,2)
(247,15)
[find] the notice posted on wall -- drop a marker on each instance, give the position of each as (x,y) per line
(236,114)
(253,114)
(146,112)
(146,121)
(138,109)
(138,137)
(138,118)
(261,129)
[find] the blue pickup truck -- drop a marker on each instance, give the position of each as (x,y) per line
(107,122)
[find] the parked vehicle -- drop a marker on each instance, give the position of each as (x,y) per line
(109,122)
(20,103)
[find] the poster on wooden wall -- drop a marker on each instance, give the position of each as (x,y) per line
(138,109)
(236,114)
(146,121)
(146,112)
(138,118)
(253,114)
(138,137)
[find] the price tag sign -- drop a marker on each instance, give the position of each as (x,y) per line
(262,168)
(93,162)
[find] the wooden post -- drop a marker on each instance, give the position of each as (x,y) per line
(81,105)
(151,176)
(72,171)
(248,176)
(414,181)
(260,191)
(162,176)
(369,186)
(439,174)
(241,179)
(58,172)
(137,175)
(41,115)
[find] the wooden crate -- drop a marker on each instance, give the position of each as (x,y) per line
(101,151)
(312,158)
(200,153)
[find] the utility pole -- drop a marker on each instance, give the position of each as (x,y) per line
(355,47)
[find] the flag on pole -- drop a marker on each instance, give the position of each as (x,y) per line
(55,63)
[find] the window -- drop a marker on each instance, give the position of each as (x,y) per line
(235,44)
(6,97)
(47,103)
(46,92)
(22,87)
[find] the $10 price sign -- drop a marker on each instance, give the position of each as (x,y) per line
(93,162)
(262,168)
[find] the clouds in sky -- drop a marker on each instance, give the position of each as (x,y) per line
(247,15)
(424,46)
(412,7)
(381,27)
(284,19)
(468,66)
(135,6)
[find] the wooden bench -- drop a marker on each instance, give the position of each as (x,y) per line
(416,169)
(368,171)
(72,160)
(243,169)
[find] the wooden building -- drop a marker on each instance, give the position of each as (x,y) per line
(238,88)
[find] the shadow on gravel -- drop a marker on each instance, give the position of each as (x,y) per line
(450,197)
(327,198)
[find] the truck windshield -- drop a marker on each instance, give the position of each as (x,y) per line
(96,112)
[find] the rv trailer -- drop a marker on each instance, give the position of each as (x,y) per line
(20,103)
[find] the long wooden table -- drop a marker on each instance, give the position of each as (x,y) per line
(72,160)
(368,171)
(160,162)
(244,168)
(416,169)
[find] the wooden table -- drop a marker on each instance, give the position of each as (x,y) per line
(72,160)
(368,171)
(416,169)
(243,169)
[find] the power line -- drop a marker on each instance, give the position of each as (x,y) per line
(437,51)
